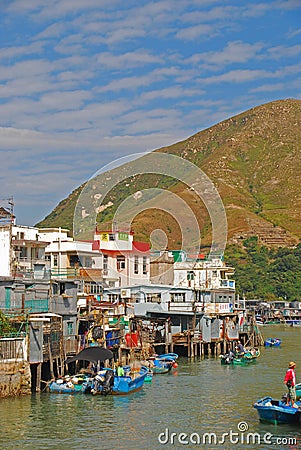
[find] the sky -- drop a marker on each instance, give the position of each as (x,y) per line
(83,83)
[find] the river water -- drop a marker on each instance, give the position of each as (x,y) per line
(198,397)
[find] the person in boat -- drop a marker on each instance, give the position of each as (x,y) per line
(240,349)
(290,382)
(119,369)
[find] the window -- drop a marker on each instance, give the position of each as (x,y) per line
(74,261)
(93,288)
(62,288)
(144,265)
(105,264)
(177,297)
(70,328)
(54,289)
(190,275)
(55,260)
(136,264)
(153,298)
(120,262)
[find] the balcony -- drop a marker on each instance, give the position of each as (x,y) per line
(228,284)
(68,272)
(77,272)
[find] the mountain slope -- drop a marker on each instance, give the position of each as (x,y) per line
(254,160)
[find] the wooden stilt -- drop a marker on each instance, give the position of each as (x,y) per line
(39,375)
(50,360)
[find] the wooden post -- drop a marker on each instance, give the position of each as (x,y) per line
(188,343)
(38,377)
(166,336)
(50,360)
(191,348)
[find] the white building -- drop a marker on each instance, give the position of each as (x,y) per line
(22,252)
(211,281)
(125,262)
(69,259)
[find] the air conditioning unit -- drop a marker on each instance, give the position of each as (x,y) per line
(125,293)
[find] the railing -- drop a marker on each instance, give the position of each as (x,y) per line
(37,305)
(12,349)
(68,272)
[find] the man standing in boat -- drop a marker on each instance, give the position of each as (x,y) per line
(290,381)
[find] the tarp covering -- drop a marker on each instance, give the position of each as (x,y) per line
(92,354)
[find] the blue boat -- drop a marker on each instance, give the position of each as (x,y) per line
(276,411)
(107,382)
(272,342)
(168,356)
(164,363)
(78,384)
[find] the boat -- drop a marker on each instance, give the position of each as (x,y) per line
(298,390)
(272,342)
(107,382)
(81,383)
(243,358)
(162,363)
(293,322)
(149,376)
(276,411)
(77,384)
(168,356)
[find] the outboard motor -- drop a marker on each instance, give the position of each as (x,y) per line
(284,398)
(108,382)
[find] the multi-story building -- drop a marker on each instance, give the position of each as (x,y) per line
(70,259)
(125,262)
(210,279)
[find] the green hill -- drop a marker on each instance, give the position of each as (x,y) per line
(254,160)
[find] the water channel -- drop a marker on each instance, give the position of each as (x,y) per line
(198,397)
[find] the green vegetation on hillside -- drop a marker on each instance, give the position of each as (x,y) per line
(264,273)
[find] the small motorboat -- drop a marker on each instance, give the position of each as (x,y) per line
(242,358)
(276,411)
(272,342)
(163,363)
(168,356)
(107,382)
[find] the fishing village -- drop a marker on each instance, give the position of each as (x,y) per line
(59,297)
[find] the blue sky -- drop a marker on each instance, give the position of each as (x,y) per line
(83,83)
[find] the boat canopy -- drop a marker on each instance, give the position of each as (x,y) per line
(92,354)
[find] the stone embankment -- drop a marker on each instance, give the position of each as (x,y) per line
(15,379)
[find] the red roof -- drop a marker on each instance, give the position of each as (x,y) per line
(142,247)
(96,245)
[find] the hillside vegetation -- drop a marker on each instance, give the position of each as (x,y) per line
(263,273)
(254,160)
